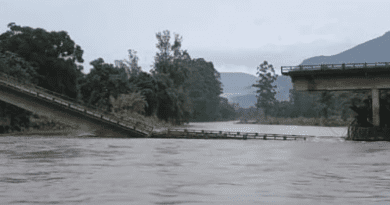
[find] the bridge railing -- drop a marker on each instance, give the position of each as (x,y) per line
(344,66)
(65,101)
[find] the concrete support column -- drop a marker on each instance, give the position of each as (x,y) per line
(375,106)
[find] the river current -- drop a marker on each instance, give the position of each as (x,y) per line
(324,169)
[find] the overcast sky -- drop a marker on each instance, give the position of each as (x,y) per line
(236,36)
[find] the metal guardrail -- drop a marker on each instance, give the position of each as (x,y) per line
(344,66)
(70,103)
(209,134)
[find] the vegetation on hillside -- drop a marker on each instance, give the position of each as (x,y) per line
(178,89)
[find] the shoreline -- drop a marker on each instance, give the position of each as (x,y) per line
(254,123)
(48,132)
(332,121)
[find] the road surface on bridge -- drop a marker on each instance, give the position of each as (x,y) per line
(44,102)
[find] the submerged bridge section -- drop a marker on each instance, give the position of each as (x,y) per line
(89,119)
(202,134)
(337,77)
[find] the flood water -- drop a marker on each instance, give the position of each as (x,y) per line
(75,170)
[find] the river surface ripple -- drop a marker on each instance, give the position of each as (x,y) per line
(75,170)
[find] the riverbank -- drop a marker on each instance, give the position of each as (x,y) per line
(40,133)
(37,124)
(301,121)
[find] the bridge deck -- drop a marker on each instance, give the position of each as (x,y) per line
(354,76)
(207,134)
(333,69)
(13,91)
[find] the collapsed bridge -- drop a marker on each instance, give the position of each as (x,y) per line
(89,119)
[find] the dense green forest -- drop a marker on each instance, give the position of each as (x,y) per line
(177,89)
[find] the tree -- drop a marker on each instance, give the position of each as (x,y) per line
(15,66)
(124,104)
(170,71)
(204,89)
(187,88)
(99,84)
(226,110)
(53,54)
(171,60)
(147,85)
(266,91)
(130,66)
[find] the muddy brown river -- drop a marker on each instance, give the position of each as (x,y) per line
(324,169)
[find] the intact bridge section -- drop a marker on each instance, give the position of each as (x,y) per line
(44,102)
(338,77)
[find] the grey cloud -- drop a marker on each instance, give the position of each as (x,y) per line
(248,60)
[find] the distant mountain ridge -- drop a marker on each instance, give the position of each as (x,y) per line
(375,50)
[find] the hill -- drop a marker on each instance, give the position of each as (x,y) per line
(375,50)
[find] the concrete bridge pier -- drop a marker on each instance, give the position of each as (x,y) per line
(375,94)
